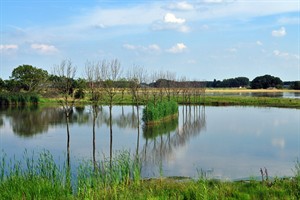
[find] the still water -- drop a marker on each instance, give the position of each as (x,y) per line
(293,95)
(223,142)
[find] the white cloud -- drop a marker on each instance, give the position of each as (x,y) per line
(178,48)
(279,33)
(285,55)
(7,47)
(180,6)
(171,22)
(171,18)
(278,142)
(152,48)
(129,46)
(259,43)
(44,48)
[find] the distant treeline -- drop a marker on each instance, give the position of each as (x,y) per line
(26,78)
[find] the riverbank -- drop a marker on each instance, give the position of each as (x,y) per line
(221,97)
(40,178)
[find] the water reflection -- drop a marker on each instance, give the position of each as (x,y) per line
(294,95)
(235,141)
(30,121)
(163,140)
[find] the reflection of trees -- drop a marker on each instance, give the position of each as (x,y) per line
(123,120)
(160,146)
(29,121)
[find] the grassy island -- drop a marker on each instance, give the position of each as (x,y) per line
(155,113)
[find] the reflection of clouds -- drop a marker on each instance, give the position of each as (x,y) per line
(278,142)
(278,122)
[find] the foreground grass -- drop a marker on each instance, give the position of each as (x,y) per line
(120,179)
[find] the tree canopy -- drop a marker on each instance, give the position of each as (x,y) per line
(30,78)
(265,82)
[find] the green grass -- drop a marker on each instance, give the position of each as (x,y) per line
(39,177)
(207,100)
(18,98)
(155,113)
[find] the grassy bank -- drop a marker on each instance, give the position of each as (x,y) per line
(39,177)
(215,100)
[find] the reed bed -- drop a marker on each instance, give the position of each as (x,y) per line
(38,176)
(18,99)
(155,113)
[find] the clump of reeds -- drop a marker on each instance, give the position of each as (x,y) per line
(156,112)
(18,98)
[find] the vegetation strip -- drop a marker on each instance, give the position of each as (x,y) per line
(39,177)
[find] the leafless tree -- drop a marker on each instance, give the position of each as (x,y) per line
(66,74)
(92,71)
(110,72)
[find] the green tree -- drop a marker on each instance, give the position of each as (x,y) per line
(296,85)
(266,81)
(29,77)
(2,84)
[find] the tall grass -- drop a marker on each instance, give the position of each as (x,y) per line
(153,113)
(37,176)
(18,98)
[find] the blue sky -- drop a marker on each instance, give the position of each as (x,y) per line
(199,39)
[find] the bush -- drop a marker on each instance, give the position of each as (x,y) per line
(79,94)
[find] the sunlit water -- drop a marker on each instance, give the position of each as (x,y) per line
(221,142)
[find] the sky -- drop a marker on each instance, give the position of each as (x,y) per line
(198,39)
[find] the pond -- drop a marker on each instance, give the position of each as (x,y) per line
(219,142)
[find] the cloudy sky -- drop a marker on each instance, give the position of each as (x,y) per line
(198,39)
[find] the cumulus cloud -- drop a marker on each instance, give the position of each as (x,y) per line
(279,33)
(171,18)
(171,22)
(44,48)
(285,55)
(178,48)
(180,6)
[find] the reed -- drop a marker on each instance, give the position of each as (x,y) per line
(160,111)
(38,176)
(18,98)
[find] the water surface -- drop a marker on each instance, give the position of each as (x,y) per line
(223,142)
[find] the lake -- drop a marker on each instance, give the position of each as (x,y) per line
(221,142)
(294,95)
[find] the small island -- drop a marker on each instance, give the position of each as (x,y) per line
(157,112)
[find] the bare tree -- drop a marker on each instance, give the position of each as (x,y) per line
(92,71)
(65,73)
(110,72)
